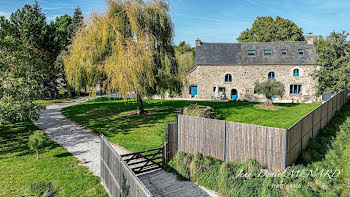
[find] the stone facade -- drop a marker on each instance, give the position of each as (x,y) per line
(206,77)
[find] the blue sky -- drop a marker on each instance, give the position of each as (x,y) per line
(219,21)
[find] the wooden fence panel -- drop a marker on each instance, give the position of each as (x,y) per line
(306,130)
(294,142)
(172,141)
(324,108)
(116,176)
(316,121)
(203,135)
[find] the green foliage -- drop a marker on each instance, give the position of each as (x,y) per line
(77,22)
(199,111)
(334,63)
(268,29)
(37,141)
(19,173)
(269,88)
(43,190)
(185,56)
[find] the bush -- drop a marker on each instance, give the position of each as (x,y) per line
(199,111)
(269,88)
(42,189)
(37,141)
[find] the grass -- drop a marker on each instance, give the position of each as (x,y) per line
(329,151)
(19,170)
(47,102)
(112,118)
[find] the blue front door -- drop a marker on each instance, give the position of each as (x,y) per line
(193,91)
(234,94)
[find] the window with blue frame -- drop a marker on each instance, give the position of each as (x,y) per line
(301,51)
(295,89)
(228,78)
(251,52)
(284,51)
(296,72)
(267,52)
(271,76)
(222,89)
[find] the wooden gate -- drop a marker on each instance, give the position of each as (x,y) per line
(146,160)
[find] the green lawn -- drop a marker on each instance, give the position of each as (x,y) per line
(47,102)
(18,168)
(112,118)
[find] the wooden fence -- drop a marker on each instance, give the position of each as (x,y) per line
(310,125)
(116,176)
(275,148)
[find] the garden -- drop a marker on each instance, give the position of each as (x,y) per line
(116,119)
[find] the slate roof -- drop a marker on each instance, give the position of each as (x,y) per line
(237,53)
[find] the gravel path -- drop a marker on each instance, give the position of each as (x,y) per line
(85,146)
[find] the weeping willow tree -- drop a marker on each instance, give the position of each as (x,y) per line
(126,49)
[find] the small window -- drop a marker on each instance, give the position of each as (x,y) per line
(267,52)
(271,76)
(296,72)
(221,89)
(295,89)
(284,51)
(301,51)
(251,52)
(228,78)
(247,91)
(214,88)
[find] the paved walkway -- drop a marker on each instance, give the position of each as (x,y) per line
(85,145)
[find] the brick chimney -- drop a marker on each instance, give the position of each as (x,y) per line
(198,42)
(309,38)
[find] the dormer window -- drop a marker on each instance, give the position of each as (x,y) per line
(251,52)
(301,51)
(267,52)
(284,51)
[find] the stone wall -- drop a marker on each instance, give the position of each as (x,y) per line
(206,77)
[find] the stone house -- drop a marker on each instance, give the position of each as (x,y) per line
(229,70)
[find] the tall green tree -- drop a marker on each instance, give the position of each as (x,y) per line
(18,77)
(127,49)
(268,29)
(77,22)
(28,26)
(185,56)
(333,62)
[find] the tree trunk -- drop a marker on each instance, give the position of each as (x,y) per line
(140,109)
(37,154)
(269,101)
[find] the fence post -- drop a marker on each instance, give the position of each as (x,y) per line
(225,142)
(312,123)
(164,156)
(286,159)
(177,133)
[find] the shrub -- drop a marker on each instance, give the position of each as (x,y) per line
(269,88)
(42,189)
(37,141)
(199,111)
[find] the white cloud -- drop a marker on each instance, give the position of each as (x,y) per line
(6,14)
